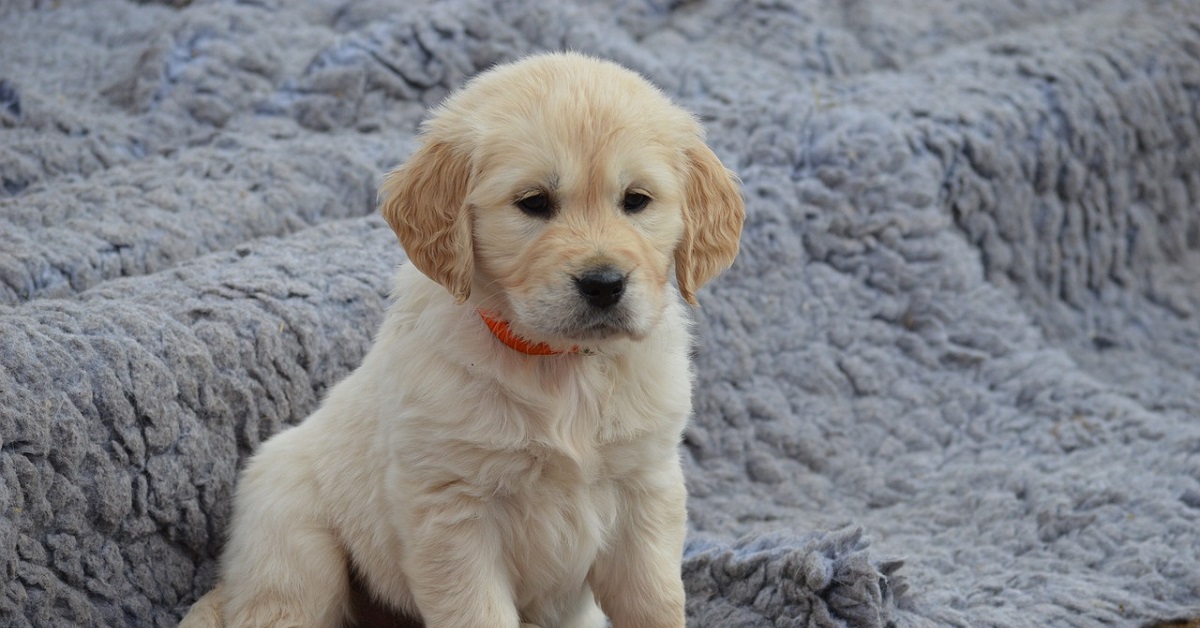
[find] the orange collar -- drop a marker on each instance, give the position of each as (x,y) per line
(504,333)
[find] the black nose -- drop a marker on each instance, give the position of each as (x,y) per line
(601,287)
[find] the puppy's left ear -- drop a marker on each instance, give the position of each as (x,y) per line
(424,201)
(713,214)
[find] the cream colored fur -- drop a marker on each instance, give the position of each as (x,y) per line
(462,481)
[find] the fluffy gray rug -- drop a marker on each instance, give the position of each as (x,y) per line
(953,379)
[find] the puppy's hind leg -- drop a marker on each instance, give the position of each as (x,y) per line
(283,565)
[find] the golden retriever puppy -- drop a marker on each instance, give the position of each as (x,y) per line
(506,454)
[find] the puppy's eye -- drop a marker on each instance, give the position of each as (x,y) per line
(536,205)
(635,202)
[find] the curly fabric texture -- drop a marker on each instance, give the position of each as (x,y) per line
(952,379)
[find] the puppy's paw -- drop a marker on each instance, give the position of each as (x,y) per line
(590,617)
(206,612)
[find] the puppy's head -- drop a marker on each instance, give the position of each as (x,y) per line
(560,190)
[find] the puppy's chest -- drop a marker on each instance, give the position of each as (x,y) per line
(557,517)
(598,405)
(579,433)
(562,483)
(562,479)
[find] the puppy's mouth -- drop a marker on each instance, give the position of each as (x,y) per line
(597,326)
(581,323)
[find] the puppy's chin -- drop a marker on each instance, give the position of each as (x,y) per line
(580,324)
(596,328)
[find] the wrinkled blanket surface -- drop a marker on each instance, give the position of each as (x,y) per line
(953,378)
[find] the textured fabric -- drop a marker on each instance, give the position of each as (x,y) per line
(952,379)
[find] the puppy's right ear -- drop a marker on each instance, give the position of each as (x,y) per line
(424,202)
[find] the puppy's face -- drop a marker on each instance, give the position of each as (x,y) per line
(578,210)
(560,191)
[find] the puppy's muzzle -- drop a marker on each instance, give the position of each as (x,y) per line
(601,287)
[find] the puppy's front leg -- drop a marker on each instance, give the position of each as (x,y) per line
(637,581)
(457,568)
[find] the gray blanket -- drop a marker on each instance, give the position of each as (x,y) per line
(953,379)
